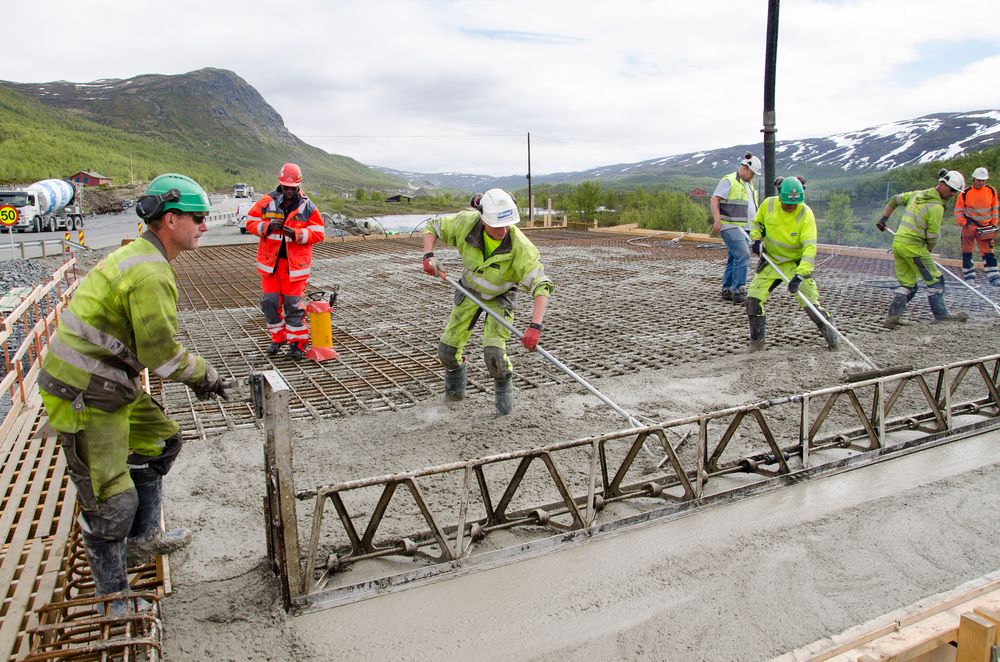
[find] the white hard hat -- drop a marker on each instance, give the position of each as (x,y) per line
(497,209)
(980,173)
(751,162)
(954,179)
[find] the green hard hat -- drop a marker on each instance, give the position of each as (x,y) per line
(173,191)
(791,191)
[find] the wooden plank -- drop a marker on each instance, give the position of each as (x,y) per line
(975,638)
(993,616)
(11,631)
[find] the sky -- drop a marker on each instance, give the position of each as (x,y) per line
(456,85)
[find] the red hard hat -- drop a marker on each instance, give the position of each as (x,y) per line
(290,175)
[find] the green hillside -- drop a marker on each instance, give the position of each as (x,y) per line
(39,141)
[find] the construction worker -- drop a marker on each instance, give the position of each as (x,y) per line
(288,224)
(784,228)
(918,233)
(733,204)
(497,259)
(976,212)
(117,441)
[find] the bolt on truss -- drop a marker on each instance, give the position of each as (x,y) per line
(781,441)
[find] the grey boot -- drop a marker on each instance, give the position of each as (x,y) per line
(146,538)
(107,565)
(454,382)
(828,334)
(758,330)
(504,395)
(896,309)
(940,310)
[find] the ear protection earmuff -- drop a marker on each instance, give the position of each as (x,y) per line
(151,206)
(476,202)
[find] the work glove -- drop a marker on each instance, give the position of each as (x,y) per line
(793,284)
(881,225)
(275,226)
(755,247)
(432,265)
(530,337)
(213,384)
(295,235)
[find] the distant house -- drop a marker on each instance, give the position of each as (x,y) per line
(399,198)
(698,192)
(85,178)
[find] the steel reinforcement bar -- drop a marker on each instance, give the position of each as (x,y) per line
(785,438)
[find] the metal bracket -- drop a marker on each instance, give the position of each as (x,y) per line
(256,383)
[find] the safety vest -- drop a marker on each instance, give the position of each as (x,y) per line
(921,221)
(977,205)
(122,319)
(308,226)
(789,236)
(735,208)
(514,264)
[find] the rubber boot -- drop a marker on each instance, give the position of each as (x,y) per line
(896,308)
(758,330)
(274,348)
(828,334)
(296,350)
(454,383)
(107,565)
(504,395)
(940,310)
(146,539)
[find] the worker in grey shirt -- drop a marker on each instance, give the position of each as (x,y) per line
(733,204)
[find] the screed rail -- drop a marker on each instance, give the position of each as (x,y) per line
(791,439)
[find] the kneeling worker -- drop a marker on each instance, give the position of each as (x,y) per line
(497,259)
(117,441)
(787,228)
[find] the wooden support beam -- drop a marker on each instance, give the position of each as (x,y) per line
(975,638)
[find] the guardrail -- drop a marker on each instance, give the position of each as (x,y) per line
(780,441)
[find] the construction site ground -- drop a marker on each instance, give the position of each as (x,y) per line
(640,319)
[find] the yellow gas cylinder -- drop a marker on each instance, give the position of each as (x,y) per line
(321,328)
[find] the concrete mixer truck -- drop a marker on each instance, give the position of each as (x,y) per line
(45,206)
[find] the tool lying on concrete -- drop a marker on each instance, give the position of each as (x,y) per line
(857,376)
(960,280)
(632,420)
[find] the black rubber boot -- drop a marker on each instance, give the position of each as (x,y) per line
(828,334)
(146,538)
(758,330)
(107,565)
(454,383)
(504,395)
(896,308)
(940,310)
(274,348)
(296,350)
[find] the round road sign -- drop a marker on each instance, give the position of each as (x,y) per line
(9,215)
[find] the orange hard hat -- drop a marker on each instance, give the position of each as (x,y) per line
(290,175)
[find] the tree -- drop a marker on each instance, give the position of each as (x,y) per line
(839,218)
(359,194)
(587,199)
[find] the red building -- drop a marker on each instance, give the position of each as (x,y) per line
(85,178)
(698,192)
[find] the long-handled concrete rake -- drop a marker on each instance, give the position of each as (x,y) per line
(960,280)
(857,376)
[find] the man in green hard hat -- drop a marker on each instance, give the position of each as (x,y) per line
(118,442)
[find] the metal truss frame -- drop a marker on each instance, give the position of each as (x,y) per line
(788,441)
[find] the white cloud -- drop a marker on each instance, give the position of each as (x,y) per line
(455,85)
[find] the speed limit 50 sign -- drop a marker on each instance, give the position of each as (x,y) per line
(9,215)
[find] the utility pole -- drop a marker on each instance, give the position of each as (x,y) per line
(770,66)
(531,206)
(131,172)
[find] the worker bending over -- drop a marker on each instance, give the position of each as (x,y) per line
(784,228)
(288,224)
(497,259)
(117,441)
(976,212)
(918,233)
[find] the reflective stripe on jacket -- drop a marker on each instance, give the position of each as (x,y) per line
(921,221)
(735,208)
(308,226)
(122,318)
(789,236)
(977,205)
(514,264)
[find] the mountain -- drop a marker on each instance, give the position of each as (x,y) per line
(875,149)
(206,119)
